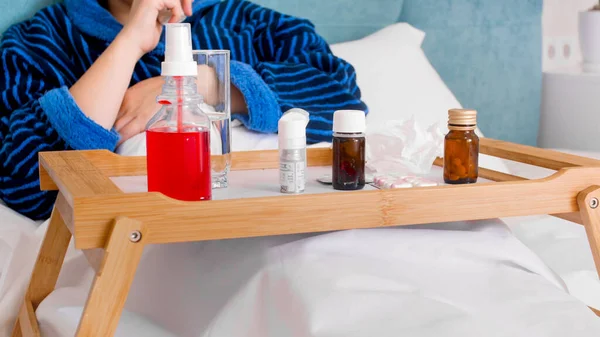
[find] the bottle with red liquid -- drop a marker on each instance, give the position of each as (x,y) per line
(178,136)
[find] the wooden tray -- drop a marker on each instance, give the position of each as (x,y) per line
(112,227)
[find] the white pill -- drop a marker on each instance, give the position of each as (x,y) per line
(325,179)
(401,185)
(425,180)
(426,184)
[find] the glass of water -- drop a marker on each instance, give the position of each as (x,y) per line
(214,79)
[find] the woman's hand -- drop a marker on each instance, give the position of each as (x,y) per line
(208,87)
(208,84)
(99,92)
(143,27)
(139,105)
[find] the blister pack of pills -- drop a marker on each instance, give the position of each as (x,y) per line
(388,182)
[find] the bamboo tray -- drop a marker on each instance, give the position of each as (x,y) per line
(112,227)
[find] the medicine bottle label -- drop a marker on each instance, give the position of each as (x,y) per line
(291,176)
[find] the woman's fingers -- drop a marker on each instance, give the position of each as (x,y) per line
(177,15)
(180,9)
(131,129)
(123,121)
(171,10)
(176,9)
(187,7)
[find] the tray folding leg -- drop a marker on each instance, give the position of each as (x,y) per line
(589,206)
(588,201)
(44,276)
(111,284)
(113,280)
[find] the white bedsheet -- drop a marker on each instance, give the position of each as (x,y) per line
(462,279)
(561,244)
(386,282)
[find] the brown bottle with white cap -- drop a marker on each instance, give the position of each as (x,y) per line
(461,148)
(348,167)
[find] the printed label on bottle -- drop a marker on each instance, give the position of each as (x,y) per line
(291,176)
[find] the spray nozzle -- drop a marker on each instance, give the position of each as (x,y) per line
(292,129)
(165,15)
(179,60)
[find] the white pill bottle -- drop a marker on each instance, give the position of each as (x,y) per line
(292,151)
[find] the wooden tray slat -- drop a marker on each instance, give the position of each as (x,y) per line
(75,176)
(499,176)
(113,165)
(487,173)
(170,220)
(532,155)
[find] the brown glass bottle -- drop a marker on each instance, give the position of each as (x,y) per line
(461,148)
(348,161)
(348,167)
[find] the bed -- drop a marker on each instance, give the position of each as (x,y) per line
(502,277)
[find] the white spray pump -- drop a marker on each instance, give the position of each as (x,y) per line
(179,60)
(292,150)
(180,72)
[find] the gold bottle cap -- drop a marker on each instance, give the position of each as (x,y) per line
(462,119)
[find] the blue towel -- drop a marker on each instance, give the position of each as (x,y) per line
(278,62)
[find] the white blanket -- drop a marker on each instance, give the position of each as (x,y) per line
(19,242)
(469,279)
(561,244)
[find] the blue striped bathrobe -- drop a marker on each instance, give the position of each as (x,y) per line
(278,62)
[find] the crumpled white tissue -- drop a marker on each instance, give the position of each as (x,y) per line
(403,147)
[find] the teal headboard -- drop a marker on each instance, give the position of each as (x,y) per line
(15,11)
(487,51)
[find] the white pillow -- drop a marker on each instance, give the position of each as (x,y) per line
(395,77)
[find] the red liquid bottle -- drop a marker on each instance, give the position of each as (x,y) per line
(178,136)
(179,164)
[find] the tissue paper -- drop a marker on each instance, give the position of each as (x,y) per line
(403,147)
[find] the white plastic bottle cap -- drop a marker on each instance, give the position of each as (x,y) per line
(349,121)
(292,129)
(179,60)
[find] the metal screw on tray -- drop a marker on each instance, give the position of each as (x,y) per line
(135,236)
(594,203)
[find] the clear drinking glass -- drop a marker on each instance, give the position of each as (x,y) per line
(214,78)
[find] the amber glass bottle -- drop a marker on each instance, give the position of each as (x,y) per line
(348,167)
(461,148)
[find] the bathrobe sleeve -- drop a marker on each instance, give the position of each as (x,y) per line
(37,113)
(287,65)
